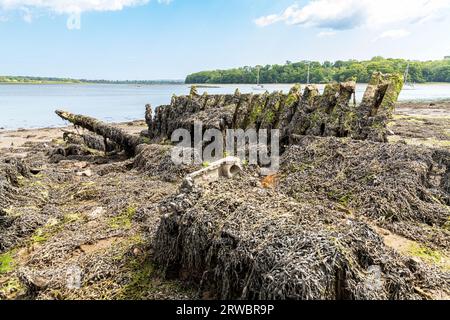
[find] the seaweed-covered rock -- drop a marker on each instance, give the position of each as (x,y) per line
(312,231)
(238,240)
(11,170)
(155,160)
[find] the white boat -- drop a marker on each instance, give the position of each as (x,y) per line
(408,85)
(259,87)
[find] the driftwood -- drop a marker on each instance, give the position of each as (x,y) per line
(92,141)
(125,140)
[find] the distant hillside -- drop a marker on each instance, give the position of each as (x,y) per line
(419,72)
(47,80)
(34,80)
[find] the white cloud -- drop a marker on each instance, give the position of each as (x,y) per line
(26,15)
(349,14)
(324,34)
(72,8)
(268,20)
(394,34)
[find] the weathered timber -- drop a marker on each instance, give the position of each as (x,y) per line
(333,113)
(125,140)
(92,141)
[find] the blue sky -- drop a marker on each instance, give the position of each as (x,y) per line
(141,39)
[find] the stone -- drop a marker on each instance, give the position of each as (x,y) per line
(86,173)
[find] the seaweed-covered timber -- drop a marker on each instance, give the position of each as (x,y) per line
(91,141)
(330,114)
(127,141)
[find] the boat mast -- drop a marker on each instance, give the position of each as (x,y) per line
(257,76)
(309,69)
(406,77)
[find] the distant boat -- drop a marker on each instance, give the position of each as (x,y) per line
(408,84)
(259,87)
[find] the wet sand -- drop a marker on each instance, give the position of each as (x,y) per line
(18,138)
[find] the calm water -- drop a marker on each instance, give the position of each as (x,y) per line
(32,106)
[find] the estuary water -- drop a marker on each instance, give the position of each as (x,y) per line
(33,106)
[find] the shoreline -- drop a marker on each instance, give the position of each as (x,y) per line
(198,85)
(17,138)
(431,109)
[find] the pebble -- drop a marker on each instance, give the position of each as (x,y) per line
(86,173)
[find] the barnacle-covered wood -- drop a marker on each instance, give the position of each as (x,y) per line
(332,113)
(91,141)
(127,141)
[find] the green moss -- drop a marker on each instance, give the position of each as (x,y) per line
(145,280)
(140,281)
(7,262)
(392,92)
(343,200)
(293,95)
(124,219)
(376,79)
(270,116)
(205,164)
(72,217)
(254,115)
(146,140)
(40,236)
(426,254)
(45,233)
(53,227)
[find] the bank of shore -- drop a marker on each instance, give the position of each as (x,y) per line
(431,118)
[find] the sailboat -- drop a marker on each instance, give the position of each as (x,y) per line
(408,84)
(259,86)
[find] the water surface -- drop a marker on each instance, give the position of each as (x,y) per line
(32,106)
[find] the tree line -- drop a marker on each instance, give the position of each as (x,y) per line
(51,80)
(419,72)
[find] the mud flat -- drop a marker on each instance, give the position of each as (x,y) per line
(343,219)
(422,123)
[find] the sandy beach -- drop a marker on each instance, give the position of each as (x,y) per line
(17,138)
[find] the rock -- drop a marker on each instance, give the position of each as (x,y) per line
(86,173)
(97,213)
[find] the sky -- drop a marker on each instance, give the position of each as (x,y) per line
(168,39)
